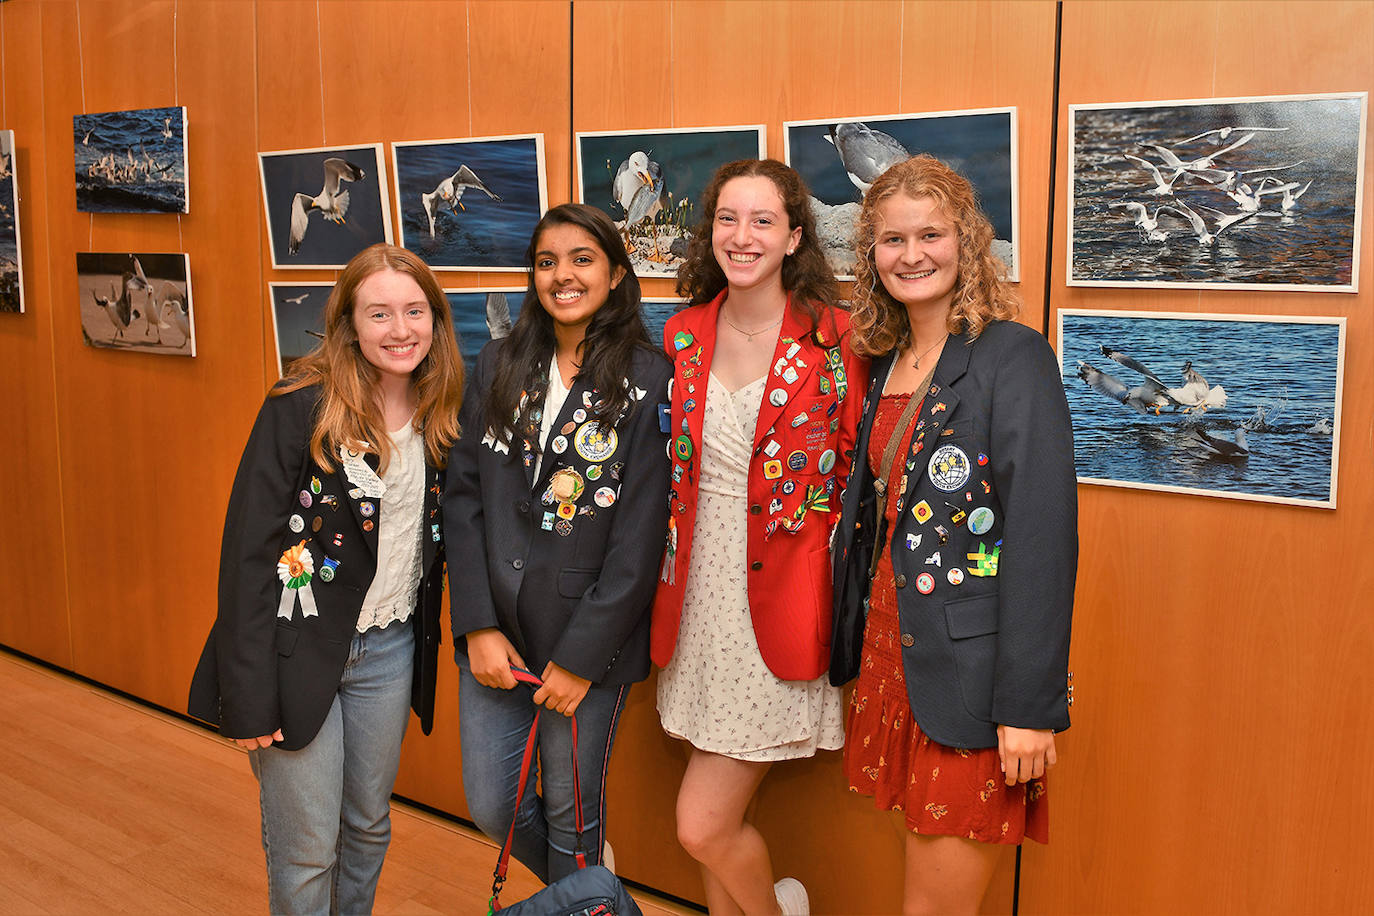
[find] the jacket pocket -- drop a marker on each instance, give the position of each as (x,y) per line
(972,627)
(573,583)
(286,639)
(822,578)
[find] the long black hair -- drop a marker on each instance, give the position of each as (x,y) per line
(612,336)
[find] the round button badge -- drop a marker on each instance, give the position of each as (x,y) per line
(925,583)
(955,576)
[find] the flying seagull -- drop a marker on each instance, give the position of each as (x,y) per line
(498,316)
(1142,399)
(450,191)
(297,300)
(1204,235)
(865,153)
(331,202)
(1145,222)
(1195,392)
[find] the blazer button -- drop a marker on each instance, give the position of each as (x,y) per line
(524,506)
(755,510)
(757,564)
(908,640)
(518,563)
(901,581)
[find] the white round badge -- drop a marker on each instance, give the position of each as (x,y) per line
(980,520)
(827,461)
(949,468)
(604,497)
(595,442)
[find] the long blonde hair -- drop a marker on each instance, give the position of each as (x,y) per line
(980,294)
(349,412)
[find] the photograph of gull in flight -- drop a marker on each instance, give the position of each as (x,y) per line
(324,205)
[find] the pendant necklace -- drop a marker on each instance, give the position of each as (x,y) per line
(917,363)
(750,334)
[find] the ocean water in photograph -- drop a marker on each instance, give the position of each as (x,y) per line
(130,161)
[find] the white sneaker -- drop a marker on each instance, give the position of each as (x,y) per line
(608,856)
(792,899)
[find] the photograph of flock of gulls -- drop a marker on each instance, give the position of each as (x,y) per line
(840,160)
(1238,406)
(324,205)
(649,183)
(11,252)
(470,204)
(1259,193)
(136,302)
(131,161)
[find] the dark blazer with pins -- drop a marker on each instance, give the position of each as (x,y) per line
(571,588)
(993,433)
(260,672)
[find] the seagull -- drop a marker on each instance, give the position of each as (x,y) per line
(297,300)
(1161,187)
(1205,237)
(1147,224)
(1194,393)
(4,165)
(175,312)
(1203,162)
(450,191)
(1321,428)
(498,316)
(638,188)
(1225,132)
(167,127)
(1142,399)
(86,140)
(1290,200)
(135,278)
(331,202)
(632,174)
(1221,449)
(118,308)
(645,205)
(865,153)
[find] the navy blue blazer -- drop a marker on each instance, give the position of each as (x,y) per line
(566,580)
(259,672)
(985,548)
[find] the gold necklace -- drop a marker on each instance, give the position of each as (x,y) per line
(751,334)
(917,363)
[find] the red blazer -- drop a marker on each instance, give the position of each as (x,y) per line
(803,448)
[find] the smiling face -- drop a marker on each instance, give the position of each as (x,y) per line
(393,321)
(572,275)
(750,235)
(916,252)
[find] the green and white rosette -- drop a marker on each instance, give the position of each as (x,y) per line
(295,569)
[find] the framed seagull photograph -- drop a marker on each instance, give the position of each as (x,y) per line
(1236,406)
(11,250)
(139,301)
(482,314)
(324,205)
(297,319)
(650,182)
(470,204)
(132,161)
(1241,193)
(840,158)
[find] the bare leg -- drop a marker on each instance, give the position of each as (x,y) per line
(946,874)
(711,805)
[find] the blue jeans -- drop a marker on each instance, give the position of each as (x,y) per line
(494,726)
(326,808)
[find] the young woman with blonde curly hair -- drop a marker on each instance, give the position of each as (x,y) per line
(957,549)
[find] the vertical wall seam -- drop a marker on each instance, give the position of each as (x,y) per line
(1054,160)
(467,38)
(572,101)
(176,100)
(319,52)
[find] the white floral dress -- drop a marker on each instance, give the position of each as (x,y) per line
(716,692)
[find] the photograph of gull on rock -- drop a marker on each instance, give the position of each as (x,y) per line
(470,204)
(324,206)
(1260,193)
(1239,406)
(841,158)
(649,183)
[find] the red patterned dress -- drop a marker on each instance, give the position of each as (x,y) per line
(944,791)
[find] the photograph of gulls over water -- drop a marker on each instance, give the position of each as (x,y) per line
(131,161)
(324,206)
(11,251)
(483,314)
(297,319)
(470,204)
(1238,406)
(840,159)
(1258,193)
(138,302)
(650,181)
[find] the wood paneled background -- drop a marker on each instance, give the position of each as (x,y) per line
(1220,647)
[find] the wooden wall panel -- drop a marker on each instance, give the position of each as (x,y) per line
(33,562)
(1220,686)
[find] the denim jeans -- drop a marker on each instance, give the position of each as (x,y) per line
(326,808)
(494,725)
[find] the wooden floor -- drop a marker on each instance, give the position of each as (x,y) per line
(107,806)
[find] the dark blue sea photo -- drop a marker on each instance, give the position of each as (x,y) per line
(326,243)
(298,309)
(131,161)
(685,160)
(472,229)
(11,273)
(470,315)
(1253,194)
(1273,439)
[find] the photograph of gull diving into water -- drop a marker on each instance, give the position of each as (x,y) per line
(1259,193)
(482,314)
(841,157)
(11,250)
(297,319)
(649,182)
(1238,406)
(131,161)
(136,302)
(324,206)
(470,204)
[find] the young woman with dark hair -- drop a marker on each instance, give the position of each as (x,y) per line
(556,503)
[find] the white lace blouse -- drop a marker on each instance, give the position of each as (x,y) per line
(396,584)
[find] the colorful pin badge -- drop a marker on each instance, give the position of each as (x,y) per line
(682,340)
(925,583)
(777,397)
(825,385)
(949,468)
(566,510)
(955,576)
(568,427)
(604,497)
(563,527)
(772,469)
(682,447)
(789,375)
(980,520)
(798,420)
(956,515)
(296,524)
(788,486)
(922,512)
(775,506)
(315,485)
(689,405)
(330,500)
(933,559)
(913,541)
(559,444)
(792,350)
(942,533)
(982,459)
(826,463)
(327,567)
(579,415)
(797,460)
(595,442)
(306,499)
(547,523)
(984,561)
(367,509)
(368,524)
(771,448)
(434,533)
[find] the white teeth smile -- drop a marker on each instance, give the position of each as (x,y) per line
(400,351)
(917,275)
(742,258)
(567,295)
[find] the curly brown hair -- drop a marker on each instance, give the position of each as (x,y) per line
(805,273)
(981,294)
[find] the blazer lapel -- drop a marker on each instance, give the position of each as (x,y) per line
(941,404)
(367,510)
(564,426)
(693,346)
(795,358)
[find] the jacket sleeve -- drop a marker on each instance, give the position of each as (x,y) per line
(254,527)
(614,605)
(465,543)
(1031,442)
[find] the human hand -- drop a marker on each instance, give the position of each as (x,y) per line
(562,691)
(1026,753)
(252,744)
(490,656)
